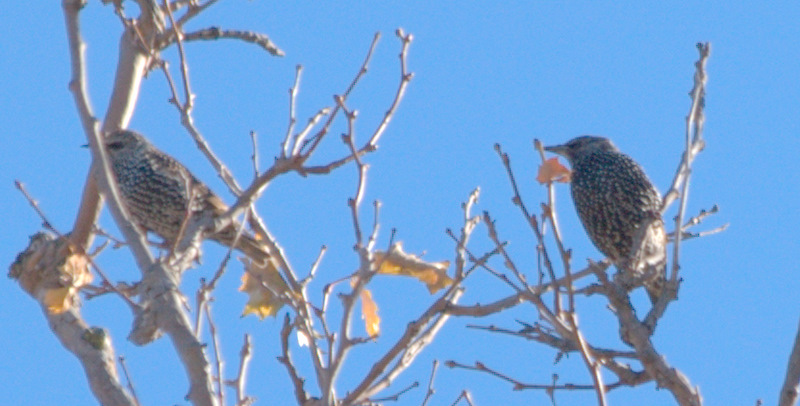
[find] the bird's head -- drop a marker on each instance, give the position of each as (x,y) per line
(122,141)
(579,147)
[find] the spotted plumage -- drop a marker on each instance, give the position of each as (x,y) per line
(156,190)
(614,197)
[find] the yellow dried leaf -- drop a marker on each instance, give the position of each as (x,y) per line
(552,171)
(398,262)
(57,292)
(57,300)
(369,312)
(264,285)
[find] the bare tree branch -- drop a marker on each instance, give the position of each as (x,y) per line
(791,383)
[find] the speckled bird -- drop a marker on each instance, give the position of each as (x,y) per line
(156,190)
(614,198)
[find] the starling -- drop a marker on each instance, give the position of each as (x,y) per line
(614,198)
(156,190)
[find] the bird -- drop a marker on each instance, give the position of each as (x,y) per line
(157,189)
(614,199)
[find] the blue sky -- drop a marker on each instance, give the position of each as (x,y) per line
(485,73)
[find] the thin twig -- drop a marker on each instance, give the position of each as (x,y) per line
(589,358)
(128,379)
(395,397)
(48,225)
(245,355)
(212,328)
(187,88)
(519,385)
(694,143)
(254,140)
(215,33)
(463,395)
(286,359)
(35,205)
(292,108)
(791,386)
(300,142)
(405,78)
(429,393)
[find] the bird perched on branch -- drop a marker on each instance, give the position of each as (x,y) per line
(156,190)
(615,199)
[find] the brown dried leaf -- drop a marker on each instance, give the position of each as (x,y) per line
(264,285)
(552,171)
(398,262)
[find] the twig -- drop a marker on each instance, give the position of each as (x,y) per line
(215,33)
(519,385)
(534,225)
(694,144)
(405,78)
(193,11)
(396,396)
(481,262)
(286,359)
(292,108)
(420,332)
(128,379)
(254,139)
(589,358)
(700,217)
(49,226)
(313,271)
(429,393)
(463,395)
(300,142)
(366,267)
(537,333)
(188,96)
(35,205)
(109,237)
(549,211)
(507,261)
(217,356)
(791,382)
(245,355)
(417,336)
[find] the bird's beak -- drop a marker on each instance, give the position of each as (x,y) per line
(557,149)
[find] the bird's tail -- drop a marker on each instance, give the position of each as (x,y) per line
(247,244)
(254,249)
(650,262)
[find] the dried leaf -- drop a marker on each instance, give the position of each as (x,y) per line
(397,262)
(369,312)
(264,286)
(73,274)
(57,300)
(552,171)
(52,271)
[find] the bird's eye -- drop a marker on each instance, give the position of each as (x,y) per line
(116,145)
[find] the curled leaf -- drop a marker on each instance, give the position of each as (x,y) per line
(369,312)
(552,171)
(264,285)
(398,262)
